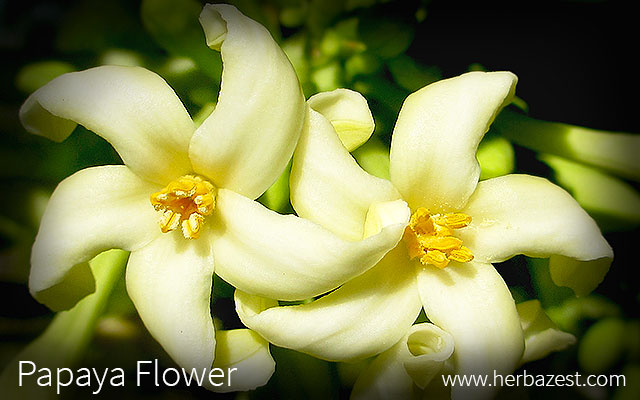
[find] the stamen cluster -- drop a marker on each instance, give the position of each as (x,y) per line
(430,237)
(185,202)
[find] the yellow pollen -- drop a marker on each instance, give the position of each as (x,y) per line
(430,238)
(184,203)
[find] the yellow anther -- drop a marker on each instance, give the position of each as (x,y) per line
(169,221)
(413,246)
(453,220)
(435,258)
(191,227)
(462,254)
(430,238)
(185,202)
(442,243)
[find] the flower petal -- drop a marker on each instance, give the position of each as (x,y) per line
(94,210)
(435,139)
(472,302)
(349,114)
(328,187)
(289,258)
(363,317)
(541,336)
(246,356)
(418,356)
(169,282)
(132,108)
(247,141)
(522,214)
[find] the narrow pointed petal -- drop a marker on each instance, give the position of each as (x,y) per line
(249,138)
(328,187)
(285,257)
(472,303)
(613,203)
(132,108)
(434,142)
(348,112)
(363,317)
(169,282)
(522,214)
(94,210)
(418,357)
(541,335)
(246,356)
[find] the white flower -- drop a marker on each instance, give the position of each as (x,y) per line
(184,200)
(420,361)
(459,227)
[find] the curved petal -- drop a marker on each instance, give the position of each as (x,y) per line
(429,348)
(94,210)
(348,112)
(363,317)
(245,358)
(132,108)
(522,214)
(541,335)
(472,302)
(285,257)
(328,187)
(435,139)
(249,138)
(169,282)
(417,357)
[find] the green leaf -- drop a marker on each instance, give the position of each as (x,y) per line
(496,157)
(373,157)
(174,25)
(412,76)
(602,346)
(277,196)
(33,76)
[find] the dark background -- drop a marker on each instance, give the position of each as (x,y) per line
(576,63)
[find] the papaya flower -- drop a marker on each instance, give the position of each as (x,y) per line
(420,364)
(458,228)
(184,203)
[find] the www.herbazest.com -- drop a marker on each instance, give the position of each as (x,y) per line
(528,380)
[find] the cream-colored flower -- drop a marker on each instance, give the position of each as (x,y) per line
(458,228)
(420,365)
(184,200)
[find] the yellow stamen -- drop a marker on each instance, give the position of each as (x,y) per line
(430,238)
(435,258)
(462,254)
(442,243)
(453,220)
(169,221)
(185,202)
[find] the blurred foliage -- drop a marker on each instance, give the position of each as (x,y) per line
(570,70)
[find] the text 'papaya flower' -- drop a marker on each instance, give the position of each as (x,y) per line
(184,200)
(457,229)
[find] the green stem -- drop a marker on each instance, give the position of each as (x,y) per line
(614,152)
(66,339)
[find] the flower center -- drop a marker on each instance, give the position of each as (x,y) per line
(185,202)
(430,237)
